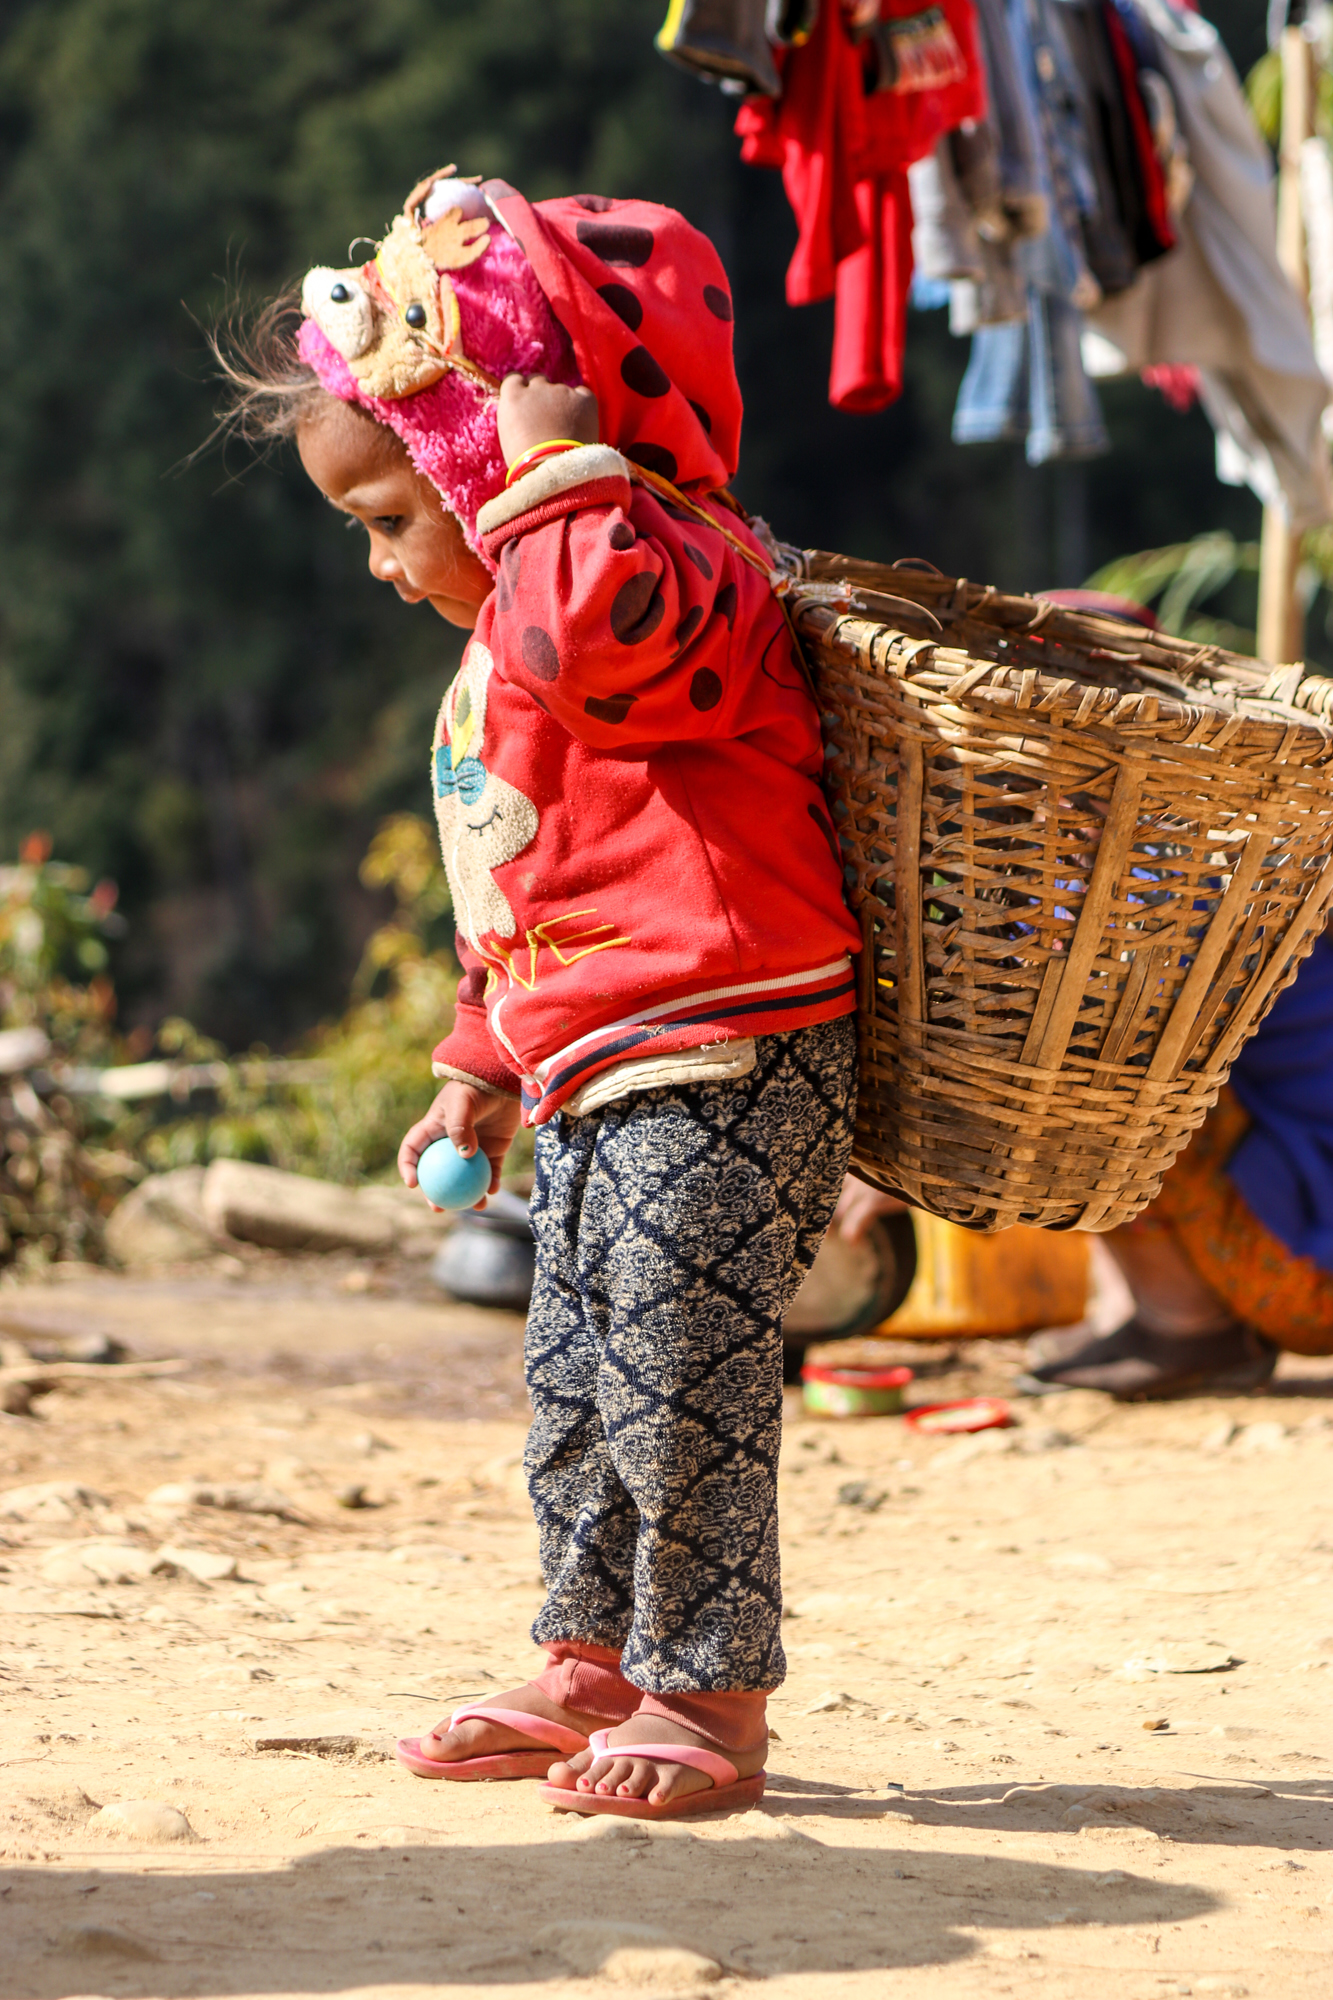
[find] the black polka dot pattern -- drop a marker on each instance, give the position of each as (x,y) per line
(617,242)
(611,708)
(623,304)
(725,602)
(718,302)
(705,690)
(639,372)
(596,204)
(510,562)
(700,561)
(621,535)
(539,654)
(703,416)
(637,609)
(688,626)
(653,458)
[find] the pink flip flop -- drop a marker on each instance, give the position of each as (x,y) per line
(555,1739)
(731,1792)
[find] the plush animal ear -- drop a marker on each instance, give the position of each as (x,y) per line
(454,239)
(451,217)
(417,199)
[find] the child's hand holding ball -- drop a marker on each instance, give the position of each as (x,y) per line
(454,1154)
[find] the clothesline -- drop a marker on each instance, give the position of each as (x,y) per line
(1081,182)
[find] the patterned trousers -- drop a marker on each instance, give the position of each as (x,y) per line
(673,1231)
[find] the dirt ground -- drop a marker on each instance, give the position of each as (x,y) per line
(1057,1718)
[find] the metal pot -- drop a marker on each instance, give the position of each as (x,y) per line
(489,1257)
(852,1286)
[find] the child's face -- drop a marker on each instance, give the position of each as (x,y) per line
(415,542)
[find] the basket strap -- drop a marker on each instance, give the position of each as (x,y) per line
(778,581)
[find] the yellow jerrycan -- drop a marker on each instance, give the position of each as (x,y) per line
(990,1287)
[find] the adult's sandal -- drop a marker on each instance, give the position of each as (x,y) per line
(729,1791)
(1136,1365)
(554,1739)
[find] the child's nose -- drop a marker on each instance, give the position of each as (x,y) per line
(384,567)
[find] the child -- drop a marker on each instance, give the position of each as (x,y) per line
(534,412)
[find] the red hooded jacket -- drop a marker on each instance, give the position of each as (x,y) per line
(626,768)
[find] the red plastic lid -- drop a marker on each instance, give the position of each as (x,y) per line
(858,1378)
(975,1413)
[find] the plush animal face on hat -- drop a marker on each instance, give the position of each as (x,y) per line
(423,335)
(395,320)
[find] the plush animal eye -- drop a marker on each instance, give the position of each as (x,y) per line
(340,295)
(415,316)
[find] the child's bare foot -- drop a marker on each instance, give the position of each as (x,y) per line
(475,1738)
(656,1780)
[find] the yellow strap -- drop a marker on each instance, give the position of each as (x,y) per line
(670,492)
(776,580)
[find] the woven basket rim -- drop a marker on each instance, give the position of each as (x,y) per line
(1178,677)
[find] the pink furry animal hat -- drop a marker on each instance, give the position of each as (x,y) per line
(423,335)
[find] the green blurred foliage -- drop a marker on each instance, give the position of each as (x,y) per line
(204,696)
(1182,577)
(1217,570)
(1263,87)
(343,1123)
(54,932)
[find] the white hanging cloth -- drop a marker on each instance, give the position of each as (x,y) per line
(1221,302)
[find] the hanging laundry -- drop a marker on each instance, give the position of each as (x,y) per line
(1128,225)
(1025,378)
(980,192)
(1317,215)
(1220,302)
(731,42)
(962,237)
(853,117)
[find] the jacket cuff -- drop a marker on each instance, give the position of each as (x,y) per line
(551,487)
(468,1055)
(444,1072)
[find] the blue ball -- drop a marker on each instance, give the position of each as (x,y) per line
(449,1180)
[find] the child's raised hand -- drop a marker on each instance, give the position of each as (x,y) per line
(471,1118)
(535,411)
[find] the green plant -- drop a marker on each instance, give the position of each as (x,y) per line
(1185,575)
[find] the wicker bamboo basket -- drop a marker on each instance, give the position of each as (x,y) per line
(1086,858)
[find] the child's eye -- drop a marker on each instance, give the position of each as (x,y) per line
(388,524)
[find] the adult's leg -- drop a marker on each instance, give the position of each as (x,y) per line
(1215,1292)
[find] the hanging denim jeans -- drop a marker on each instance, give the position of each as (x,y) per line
(1027,379)
(993,397)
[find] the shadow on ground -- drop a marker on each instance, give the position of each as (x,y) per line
(777,1901)
(1282,1813)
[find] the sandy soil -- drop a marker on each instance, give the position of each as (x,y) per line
(1011,1757)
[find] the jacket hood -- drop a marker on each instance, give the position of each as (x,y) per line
(473,283)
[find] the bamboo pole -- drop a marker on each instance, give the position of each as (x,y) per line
(1281,635)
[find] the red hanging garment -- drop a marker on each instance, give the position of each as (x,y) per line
(844,146)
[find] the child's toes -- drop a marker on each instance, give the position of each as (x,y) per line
(674,1780)
(565,1774)
(637,1785)
(610,1776)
